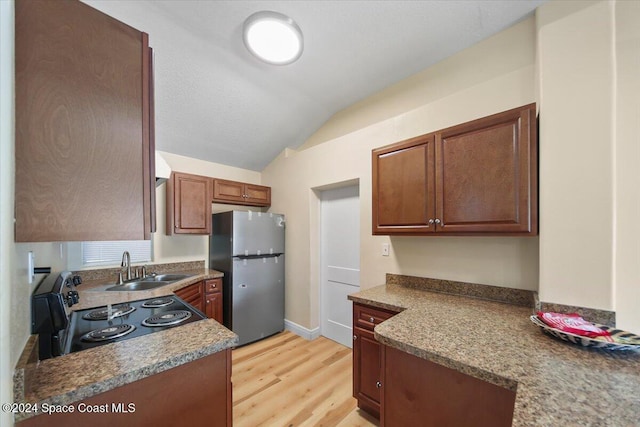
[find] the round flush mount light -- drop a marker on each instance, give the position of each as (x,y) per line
(273,37)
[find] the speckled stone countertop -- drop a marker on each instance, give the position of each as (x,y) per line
(77,376)
(93,293)
(556,383)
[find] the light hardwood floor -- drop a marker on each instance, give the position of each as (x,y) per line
(288,381)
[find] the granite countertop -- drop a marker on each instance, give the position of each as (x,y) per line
(556,383)
(93,292)
(77,376)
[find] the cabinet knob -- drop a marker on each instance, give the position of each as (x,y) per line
(430,221)
(372,320)
(437,221)
(355,337)
(378,384)
(208,301)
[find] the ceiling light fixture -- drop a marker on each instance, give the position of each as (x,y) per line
(273,37)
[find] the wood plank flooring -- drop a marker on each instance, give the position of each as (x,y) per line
(288,381)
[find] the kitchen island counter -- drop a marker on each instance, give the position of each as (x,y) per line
(556,383)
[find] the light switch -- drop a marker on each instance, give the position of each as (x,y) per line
(385,249)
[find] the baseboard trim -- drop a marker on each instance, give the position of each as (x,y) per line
(308,334)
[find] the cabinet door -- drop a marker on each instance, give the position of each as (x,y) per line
(486,177)
(403,187)
(418,392)
(228,191)
(366,371)
(257,195)
(213,299)
(213,306)
(191,203)
(82,125)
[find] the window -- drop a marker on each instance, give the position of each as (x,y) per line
(83,255)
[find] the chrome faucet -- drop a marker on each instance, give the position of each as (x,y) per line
(126,263)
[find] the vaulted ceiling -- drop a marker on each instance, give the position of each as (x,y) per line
(216,102)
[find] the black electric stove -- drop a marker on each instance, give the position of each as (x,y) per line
(62,331)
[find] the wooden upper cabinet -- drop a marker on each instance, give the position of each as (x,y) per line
(240,193)
(188,204)
(83,125)
(403,186)
(479,177)
(487,174)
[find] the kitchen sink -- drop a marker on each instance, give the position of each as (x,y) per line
(150,282)
(139,285)
(165,278)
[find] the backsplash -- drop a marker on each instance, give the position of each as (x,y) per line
(496,293)
(519,297)
(112,273)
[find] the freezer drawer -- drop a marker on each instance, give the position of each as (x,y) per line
(257,297)
(257,233)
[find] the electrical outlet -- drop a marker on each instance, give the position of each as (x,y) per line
(385,249)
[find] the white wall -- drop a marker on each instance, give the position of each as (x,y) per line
(179,248)
(504,261)
(589,79)
(7,353)
(627,160)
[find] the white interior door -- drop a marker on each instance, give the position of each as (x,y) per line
(340,261)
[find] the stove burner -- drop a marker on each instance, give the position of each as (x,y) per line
(157,303)
(108,333)
(116,311)
(171,317)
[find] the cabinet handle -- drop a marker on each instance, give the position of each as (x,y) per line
(437,221)
(378,384)
(372,320)
(430,221)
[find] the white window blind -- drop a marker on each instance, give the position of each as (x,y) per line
(110,252)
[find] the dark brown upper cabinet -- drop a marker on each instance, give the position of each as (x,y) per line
(188,204)
(477,178)
(84,125)
(240,193)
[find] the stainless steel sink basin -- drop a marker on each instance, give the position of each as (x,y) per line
(150,282)
(139,285)
(165,278)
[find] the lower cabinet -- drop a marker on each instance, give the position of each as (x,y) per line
(206,296)
(203,398)
(193,294)
(417,392)
(213,299)
(404,390)
(367,355)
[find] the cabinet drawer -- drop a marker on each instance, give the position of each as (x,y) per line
(191,294)
(367,317)
(213,285)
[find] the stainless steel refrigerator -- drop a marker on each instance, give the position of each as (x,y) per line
(248,247)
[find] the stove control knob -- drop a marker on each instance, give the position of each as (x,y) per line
(72,298)
(76,280)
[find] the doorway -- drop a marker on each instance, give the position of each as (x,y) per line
(339,261)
